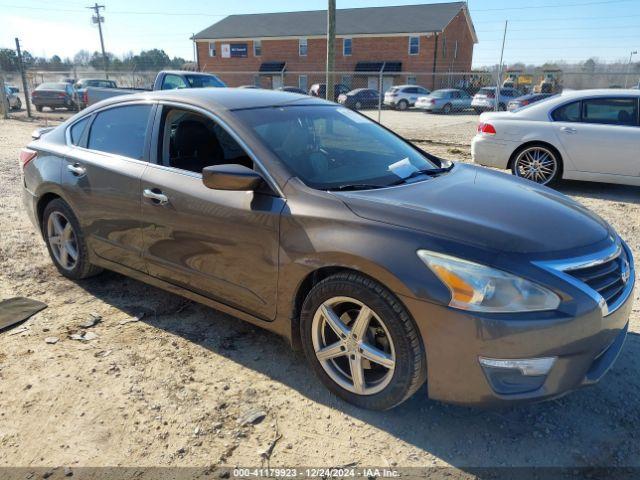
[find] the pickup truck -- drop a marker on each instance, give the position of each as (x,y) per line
(165,80)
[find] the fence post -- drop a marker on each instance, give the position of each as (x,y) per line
(504,37)
(24,79)
(380,92)
(4,105)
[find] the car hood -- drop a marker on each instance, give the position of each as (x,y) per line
(484,208)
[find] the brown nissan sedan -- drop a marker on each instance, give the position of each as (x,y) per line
(387,265)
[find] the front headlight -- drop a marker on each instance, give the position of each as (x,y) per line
(484,289)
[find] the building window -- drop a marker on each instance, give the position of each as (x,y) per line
(256,80)
(412,80)
(346,80)
(303,82)
(414,45)
(302,47)
(444,47)
(212,49)
(257,48)
(346,47)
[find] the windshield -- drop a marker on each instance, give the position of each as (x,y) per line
(331,147)
(203,81)
(486,91)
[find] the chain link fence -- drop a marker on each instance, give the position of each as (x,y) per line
(471,92)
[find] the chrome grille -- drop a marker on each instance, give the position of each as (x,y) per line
(609,277)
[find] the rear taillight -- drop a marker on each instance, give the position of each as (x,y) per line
(431,101)
(26,155)
(486,128)
(524,102)
(491,95)
(85,97)
(62,95)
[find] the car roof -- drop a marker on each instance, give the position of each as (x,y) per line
(189,72)
(220,98)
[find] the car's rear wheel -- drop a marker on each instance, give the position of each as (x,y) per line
(362,342)
(537,163)
(446,109)
(358,105)
(402,105)
(39,108)
(65,241)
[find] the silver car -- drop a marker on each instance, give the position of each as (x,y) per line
(402,97)
(485,99)
(13,99)
(446,100)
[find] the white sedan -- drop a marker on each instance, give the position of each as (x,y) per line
(591,135)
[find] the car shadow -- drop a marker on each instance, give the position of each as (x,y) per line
(602,191)
(596,426)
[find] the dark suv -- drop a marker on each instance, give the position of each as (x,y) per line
(320,90)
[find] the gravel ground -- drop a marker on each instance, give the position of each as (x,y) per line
(160,381)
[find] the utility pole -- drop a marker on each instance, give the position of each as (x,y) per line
(331,40)
(626,77)
(24,78)
(4,105)
(99,19)
(504,37)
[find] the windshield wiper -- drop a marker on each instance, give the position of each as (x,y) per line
(425,171)
(355,186)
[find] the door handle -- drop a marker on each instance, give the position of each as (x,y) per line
(569,130)
(156,196)
(77,169)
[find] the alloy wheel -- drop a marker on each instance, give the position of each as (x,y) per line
(353,345)
(537,164)
(62,240)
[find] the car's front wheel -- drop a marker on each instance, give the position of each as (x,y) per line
(402,105)
(361,342)
(537,163)
(65,241)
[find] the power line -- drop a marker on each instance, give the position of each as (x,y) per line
(552,5)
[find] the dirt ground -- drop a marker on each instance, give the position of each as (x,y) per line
(166,382)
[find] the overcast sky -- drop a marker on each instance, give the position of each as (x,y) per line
(539,30)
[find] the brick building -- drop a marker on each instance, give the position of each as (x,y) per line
(409,44)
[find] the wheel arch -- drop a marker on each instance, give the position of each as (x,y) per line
(531,143)
(43,201)
(310,280)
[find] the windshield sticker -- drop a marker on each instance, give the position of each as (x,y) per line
(403,168)
(353,115)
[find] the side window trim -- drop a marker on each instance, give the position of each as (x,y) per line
(82,142)
(184,106)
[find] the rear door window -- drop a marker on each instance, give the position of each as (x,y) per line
(121,131)
(610,111)
(567,113)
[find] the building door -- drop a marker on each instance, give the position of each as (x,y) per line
(372,83)
(276,82)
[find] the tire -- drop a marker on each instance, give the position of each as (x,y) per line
(358,105)
(502,107)
(537,162)
(402,105)
(59,224)
(446,109)
(390,330)
(18,105)
(39,108)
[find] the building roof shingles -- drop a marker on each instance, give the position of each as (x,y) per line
(349,21)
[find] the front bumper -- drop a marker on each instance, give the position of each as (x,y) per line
(585,346)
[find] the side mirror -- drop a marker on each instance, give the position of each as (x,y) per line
(230,177)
